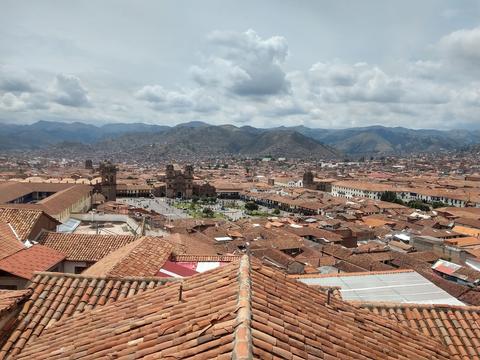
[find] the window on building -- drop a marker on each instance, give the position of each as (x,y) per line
(79,269)
(8,287)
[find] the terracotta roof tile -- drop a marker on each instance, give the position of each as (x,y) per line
(458,327)
(55,296)
(9,244)
(25,262)
(195,243)
(22,220)
(204,258)
(242,311)
(362,273)
(12,298)
(84,247)
(142,257)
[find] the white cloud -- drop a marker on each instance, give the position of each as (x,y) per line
(244,64)
(337,83)
(462,45)
(244,78)
(67,90)
(23,101)
(12,102)
(176,101)
(15,80)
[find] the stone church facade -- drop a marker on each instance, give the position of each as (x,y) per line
(180,184)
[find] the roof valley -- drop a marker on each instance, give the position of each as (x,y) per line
(242,347)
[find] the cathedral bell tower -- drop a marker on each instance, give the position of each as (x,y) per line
(108,173)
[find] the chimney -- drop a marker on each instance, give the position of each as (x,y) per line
(329,295)
(180,293)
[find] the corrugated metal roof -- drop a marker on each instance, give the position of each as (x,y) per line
(399,287)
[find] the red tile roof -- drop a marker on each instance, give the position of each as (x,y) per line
(9,244)
(195,243)
(9,299)
(56,296)
(22,220)
(458,327)
(143,257)
(36,258)
(204,258)
(63,199)
(84,247)
(239,311)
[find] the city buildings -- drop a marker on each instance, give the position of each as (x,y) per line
(332,243)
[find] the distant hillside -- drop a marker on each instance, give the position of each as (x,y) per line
(197,137)
(224,140)
(45,133)
(375,140)
(473,150)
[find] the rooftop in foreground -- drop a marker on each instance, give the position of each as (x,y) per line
(242,311)
(404,286)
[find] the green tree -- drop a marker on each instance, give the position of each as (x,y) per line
(438,204)
(276,211)
(388,196)
(251,206)
(207,212)
(418,205)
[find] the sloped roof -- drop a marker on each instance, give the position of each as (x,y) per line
(9,299)
(204,258)
(63,199)
(22,220)
(84,247)
(240,311)
(9,244)
(64,195)
(12,190)
(55,296)
(458,327)
(194,243)
(25,262)
(143,257)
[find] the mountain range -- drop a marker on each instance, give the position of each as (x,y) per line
(201,139)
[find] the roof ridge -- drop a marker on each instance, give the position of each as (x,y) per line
(357,273)
(130,247)
(126,278)
(176,257)
(414,305)
(242,343)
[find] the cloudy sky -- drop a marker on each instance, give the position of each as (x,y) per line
(264,63)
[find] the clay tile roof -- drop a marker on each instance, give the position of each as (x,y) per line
(12,298)
(25,262)
(360,273)
(143,257)
(335,291)
(204,258)
(58,202)
(55,296)
(84,247)
(195,243)
(9,244)
(240,311)
(336,251)
(458,327)
(22,220)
